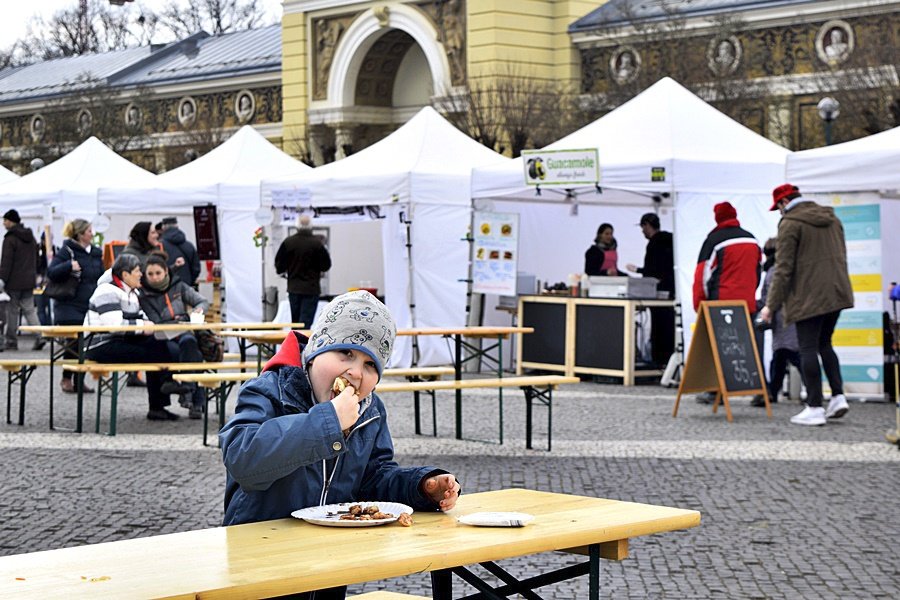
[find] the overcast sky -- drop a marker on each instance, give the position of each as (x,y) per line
(16,13)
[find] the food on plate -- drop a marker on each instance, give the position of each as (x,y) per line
(405,519)
(339,384)
(369,513)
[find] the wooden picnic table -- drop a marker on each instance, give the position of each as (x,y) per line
(286,556)
(500,333)
(80,332)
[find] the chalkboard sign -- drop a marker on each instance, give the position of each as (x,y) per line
(722,357)
(206,232)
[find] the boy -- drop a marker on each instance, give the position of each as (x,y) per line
(294,442)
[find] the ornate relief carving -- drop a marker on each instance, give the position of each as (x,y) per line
(723,55)
(244,106)
(835,42)
(382,15)
(449,17)
(624,64)
(326,35)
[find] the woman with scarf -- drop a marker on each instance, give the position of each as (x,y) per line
(115,302)
(601,258)
(167,299)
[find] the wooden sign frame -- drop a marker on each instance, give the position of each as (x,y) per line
(698,377)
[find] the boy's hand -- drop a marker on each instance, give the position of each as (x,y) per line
(442,489)
(346,405)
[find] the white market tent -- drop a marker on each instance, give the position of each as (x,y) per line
(707,157)
(227,177)
(865,164)
(6,175)
(418,174)
(70,183)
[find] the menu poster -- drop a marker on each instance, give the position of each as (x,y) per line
(495,253)
(206,232)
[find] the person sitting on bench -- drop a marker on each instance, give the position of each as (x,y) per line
(166,299)
(115,302)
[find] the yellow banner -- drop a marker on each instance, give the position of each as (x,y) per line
(866,282)
(856,337)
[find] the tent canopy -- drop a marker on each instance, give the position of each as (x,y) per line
(423,161)
(6,175)
(866,164)
(419,175)
(701,150)
(228,176)
(71,182)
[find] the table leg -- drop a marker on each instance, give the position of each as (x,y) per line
(24,376)
(458,346)
(594,573)
(9,376)
(442,585)
(79,385)
(52,364)
(500,376)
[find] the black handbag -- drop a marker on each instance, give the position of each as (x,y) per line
(63,290)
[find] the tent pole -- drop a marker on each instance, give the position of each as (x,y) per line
(412,296)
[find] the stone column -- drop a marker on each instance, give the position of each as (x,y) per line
(343,140)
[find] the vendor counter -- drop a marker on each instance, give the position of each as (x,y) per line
(582,335)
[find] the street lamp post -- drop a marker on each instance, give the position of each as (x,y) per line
(829,109)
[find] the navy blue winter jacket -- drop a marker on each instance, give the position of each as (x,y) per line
(283,451)
(74,310)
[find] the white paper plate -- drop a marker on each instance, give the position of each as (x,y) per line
(330,514)
(496,519)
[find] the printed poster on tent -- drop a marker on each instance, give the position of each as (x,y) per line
(857,338)
(495,253)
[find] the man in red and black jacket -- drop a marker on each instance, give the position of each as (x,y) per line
(728,268)
(729,264)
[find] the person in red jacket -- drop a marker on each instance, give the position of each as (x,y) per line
(728,267)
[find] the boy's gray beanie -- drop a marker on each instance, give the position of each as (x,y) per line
(355,320)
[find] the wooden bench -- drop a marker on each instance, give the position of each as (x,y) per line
(537,388)
(218,386)
(20,371)
(107,376)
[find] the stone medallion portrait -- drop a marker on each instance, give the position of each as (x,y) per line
(244,106)
(835,42)
(724,55)
(38,127)
(624,64)
(133,116)
(187,111)
(84,121)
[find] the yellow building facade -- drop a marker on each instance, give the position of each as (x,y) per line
(352,71)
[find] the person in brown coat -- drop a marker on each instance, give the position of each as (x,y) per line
(811,286)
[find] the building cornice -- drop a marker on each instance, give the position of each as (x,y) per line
(763,18)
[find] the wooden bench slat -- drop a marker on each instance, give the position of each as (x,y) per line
(385,595)
(463,384)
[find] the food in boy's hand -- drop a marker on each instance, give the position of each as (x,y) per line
(339,384)
(405,519)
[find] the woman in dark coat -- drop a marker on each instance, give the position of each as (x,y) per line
(79,256)
(143,240)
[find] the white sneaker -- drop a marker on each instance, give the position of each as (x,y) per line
(810,416)
(837,407)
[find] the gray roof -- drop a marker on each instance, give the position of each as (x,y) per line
(196,58)
(616,13)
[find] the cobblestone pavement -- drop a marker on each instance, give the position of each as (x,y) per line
(788,512)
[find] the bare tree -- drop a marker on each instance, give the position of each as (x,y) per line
(181,18)
(514,111)
(73,31)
